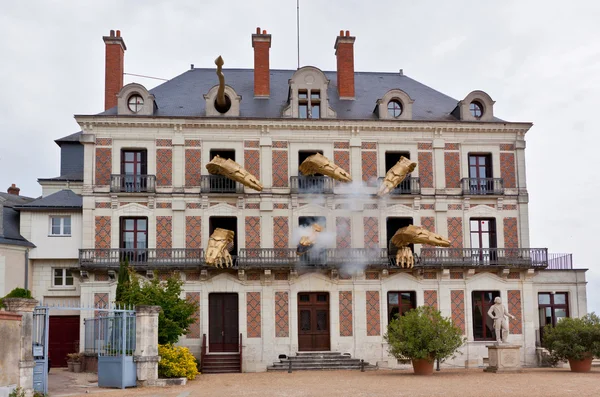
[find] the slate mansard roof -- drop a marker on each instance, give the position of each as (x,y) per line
(9,217)
(61,200)
(182,96)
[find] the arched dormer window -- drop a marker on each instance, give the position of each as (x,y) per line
(134,99)
(308,95)
(395,105)
(232,109)
(477,106)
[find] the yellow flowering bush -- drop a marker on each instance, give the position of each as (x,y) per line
(176,362)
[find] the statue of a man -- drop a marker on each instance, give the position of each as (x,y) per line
(498,313)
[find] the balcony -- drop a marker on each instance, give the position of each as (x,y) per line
(481,257)
(560,261)
(219,184)
(482,186)
(121,183)
(311,184)
(410,185)
(324,258)
(142,259)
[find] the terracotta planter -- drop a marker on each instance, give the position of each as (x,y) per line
(584,365)
(70,366)
(422,367)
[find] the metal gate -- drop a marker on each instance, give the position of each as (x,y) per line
(40,349)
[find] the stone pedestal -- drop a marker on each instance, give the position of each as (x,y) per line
(504,358)
(146,344)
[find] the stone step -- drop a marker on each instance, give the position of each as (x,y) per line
(221,371)
(221,360)
(317,364)
(321,368)
(352,361)
(325,353)
(328,358)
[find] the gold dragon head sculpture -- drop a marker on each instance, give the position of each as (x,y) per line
(233,171)
(219,245)
(414,235)
(396,175)
(307,242)
(319,164)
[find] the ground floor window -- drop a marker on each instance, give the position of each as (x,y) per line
(552,308)
(483,325)
(400,302)
(63,278)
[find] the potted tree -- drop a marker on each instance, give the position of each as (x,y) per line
(74,362)
(574,339)
(422,336)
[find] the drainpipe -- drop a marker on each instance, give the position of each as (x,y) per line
(27,268)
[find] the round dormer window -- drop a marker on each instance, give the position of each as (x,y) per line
(135,103)
(394,108)
(476,109)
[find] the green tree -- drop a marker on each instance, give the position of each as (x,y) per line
(423,333)
(176,315)
(123,281)
(573,338)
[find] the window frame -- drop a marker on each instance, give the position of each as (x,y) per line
(63,277)
(399,305)
(488,166)
(61,226)
(481,109)
(309,99)
(135,230)
(395,101)
(553,306)
(492,233)
(484,306)
(137,106)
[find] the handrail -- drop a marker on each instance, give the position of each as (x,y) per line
(240,352)
(482,186)
(510,257)
(126,183)
(219,184)
(311,184)
(410,185)
(140,258)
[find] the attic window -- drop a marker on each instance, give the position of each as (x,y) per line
(309,106)
(135,103)
(394,108)
(476,109)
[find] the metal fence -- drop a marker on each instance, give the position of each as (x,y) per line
(110,335)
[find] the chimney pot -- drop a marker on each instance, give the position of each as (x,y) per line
(13,189)
(257,30)
(347,33)
(344,52)
(264,32)
(341,33)
(114,68)
(112,33)
(262,76)
(119,33)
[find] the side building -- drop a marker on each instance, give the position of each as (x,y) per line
(148,198)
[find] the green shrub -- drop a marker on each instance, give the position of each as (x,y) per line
(17,293)
(423,333)
(573,338)
(176,362)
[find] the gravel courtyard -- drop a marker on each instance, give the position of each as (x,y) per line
(451,382)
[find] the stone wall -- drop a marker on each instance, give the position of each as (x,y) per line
(10,334)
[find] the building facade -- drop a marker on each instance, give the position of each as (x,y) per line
(146,196)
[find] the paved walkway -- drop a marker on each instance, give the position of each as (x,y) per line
(450,382)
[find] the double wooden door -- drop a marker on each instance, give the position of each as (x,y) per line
(223,328)
(313,321)
(63,338)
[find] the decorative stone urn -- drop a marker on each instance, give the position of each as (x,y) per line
(19,304)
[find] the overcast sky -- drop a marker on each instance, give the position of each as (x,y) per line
(539,60)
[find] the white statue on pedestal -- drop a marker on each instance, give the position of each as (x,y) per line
(498,313)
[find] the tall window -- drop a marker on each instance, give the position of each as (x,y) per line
(60,225)
(552,308)
(399,303)
(483,237)
(309,104)
(480,173)
(483,325)
(134,233)
(134,169)
(63,278)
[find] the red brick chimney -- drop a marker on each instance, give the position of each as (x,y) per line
(261,42)
(114,61)
(344,51)
(13,189)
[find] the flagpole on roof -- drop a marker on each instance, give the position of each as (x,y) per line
(298,29)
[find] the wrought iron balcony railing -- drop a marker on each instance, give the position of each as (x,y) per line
(149,258)
(329,257)
(219,184)
(311,184)
(411,185)
(560,261)
(468,257)
(482,186)
(122,183)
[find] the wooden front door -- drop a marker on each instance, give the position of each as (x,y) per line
(313,321)
(223,330)
(63,338)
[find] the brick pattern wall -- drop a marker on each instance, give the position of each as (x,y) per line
(345,313)
(431,299)
(457,298)
(454,207)
(281,276)
(164,167)
(164,236)
(281,232)
(371,275)
(509,207)
(373,314)
(455,232)
(514,308)
(371,226)
(194,328)
(102,232)
(343,235)
(253,314)
(103,205)
(369,164)
(507,147)
(103,165)
(193,235)
(507,169)
(100,302)
(280,168)
(425,167)
(511,233)
(342,157)
(457,275)
(103,141)
(514,276)
(193,143)
(428,223)
(193,167)
(162,205)
(425,146)
(282,321)
(252,232)
(252,160)
(101,276)
(253,277)
(164,143)
(452,167)
(192,276)
(280,206)
(430,275)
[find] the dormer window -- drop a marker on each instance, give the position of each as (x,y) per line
(476,109)
(135,103)
(394,105)
(309,104)
(477,106)
(394,108)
